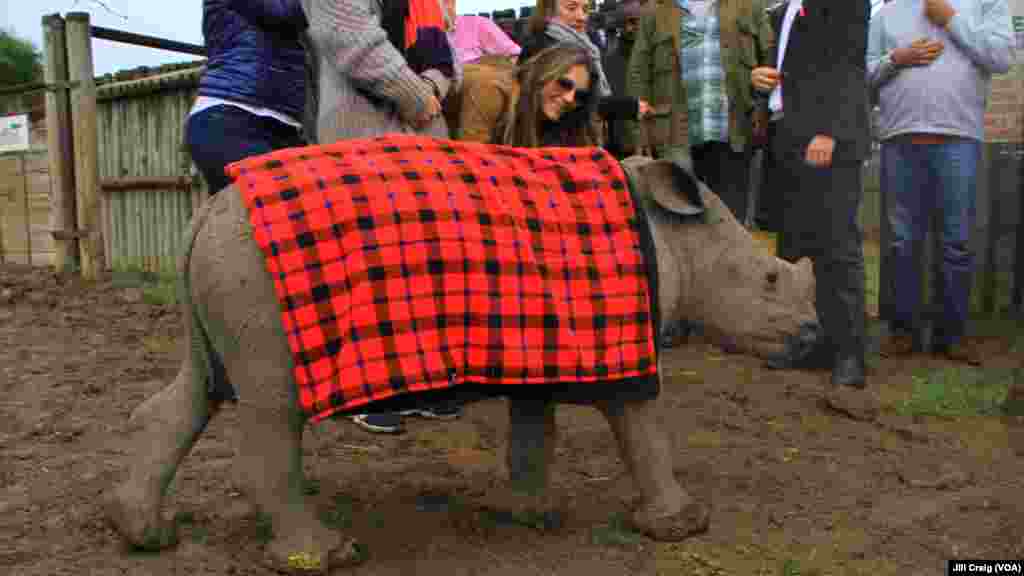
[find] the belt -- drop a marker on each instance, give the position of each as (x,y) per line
(930,138)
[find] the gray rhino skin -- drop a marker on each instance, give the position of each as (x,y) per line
(710,271)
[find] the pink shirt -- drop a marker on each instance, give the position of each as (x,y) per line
(476,36)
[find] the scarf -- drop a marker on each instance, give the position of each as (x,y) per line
(562,33)
(417,30)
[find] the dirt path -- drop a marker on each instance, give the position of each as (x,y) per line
(793,483)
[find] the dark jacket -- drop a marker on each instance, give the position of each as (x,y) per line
(610,107)
(824,90)
(655,66)
(253,54)
(621,141)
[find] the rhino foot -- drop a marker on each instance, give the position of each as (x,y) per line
(138,519)
(694,518)
(318,553)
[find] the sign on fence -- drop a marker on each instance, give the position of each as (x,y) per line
(14,131)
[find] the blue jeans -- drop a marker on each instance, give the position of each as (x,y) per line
(224,134)
(917,180)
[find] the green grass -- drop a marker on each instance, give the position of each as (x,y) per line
(955,392)
(340,515)
(158,288)
(615,532)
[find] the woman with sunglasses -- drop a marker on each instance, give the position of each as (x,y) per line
(558,21)
(547,101)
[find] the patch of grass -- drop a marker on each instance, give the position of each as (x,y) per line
(616,532)
(311,487)
(340,515)
(163,293)
(791,567)
(264,528)
(955,392)
(185,518)
(158,288)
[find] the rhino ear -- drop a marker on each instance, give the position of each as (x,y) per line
(672,185)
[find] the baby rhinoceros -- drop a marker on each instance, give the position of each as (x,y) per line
(375,274)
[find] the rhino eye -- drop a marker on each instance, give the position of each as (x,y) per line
(772,277)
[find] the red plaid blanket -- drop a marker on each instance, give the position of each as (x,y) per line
(405,263)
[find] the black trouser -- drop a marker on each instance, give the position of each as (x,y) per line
(727,173)
(774,179)
(819,221)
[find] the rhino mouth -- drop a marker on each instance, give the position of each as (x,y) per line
(799,345)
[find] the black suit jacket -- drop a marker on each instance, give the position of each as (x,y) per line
(824,90)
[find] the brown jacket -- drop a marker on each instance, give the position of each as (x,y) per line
(487,94)
(747,42)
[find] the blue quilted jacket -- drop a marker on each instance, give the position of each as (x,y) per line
(254,55)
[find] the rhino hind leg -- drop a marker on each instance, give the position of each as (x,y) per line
(162,430)
(666,512)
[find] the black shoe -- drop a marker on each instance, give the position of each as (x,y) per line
(850,371)
(819,358)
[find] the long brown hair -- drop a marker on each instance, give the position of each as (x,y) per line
(523,125)
(542,12)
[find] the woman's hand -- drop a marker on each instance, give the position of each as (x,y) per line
(819,151)
(765,78)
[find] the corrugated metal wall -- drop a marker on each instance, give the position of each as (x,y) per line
(141,135)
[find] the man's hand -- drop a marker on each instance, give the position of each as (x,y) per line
(643,109)
(938,11)
(759,127)
(921,52)
(765,78)
(819,151)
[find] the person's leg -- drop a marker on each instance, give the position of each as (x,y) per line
(733,178)
(773,180)
(221,135)
(791,205)
(956,168)
(905,180)
(835,193)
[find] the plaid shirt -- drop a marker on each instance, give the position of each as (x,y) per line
(704,75)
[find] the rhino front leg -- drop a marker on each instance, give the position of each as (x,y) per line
(162,431)
(531,444)
(666,512)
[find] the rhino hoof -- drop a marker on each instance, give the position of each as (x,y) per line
(692,520)
(141,525)
(286,560)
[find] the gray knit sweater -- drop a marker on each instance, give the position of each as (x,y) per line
(366,86)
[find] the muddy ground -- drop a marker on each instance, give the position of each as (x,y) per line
(796,486)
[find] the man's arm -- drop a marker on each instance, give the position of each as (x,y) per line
(988,40)
(493,40)
(880,65)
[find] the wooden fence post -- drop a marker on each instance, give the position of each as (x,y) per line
(84,129)
(58,142)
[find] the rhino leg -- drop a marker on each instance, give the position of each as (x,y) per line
(531,444)
(532,436)
(666,512)
(161,432)
(243,320)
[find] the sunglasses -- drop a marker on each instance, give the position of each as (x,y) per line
(568,85)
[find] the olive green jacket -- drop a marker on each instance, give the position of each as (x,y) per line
(747,42)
